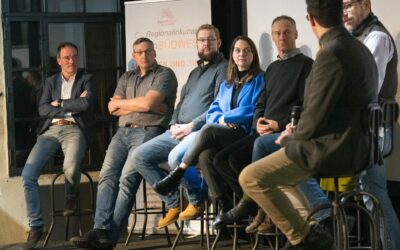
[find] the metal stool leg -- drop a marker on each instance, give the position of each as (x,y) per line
(146,211)
(59,213)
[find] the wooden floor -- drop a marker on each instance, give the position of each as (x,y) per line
(153,242)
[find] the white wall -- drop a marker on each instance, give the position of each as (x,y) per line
(260,14)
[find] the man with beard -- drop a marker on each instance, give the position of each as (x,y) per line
(189,116)
(363,24)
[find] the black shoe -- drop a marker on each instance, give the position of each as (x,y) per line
(317,239)
(170,182)
(243,209)
(33,238)
(96,238)
(70,207)
(224,205)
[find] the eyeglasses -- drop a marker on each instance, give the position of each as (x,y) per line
(349,5)
(208,40)
(279,33)
(147,52)
(245,50)
(68,58)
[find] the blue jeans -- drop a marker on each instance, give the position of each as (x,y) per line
(265,145)
(118,179)
(193,183)
(73,144)
(374,181)
(160,149)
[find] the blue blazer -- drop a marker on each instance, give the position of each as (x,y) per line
(82,108)
(243,113)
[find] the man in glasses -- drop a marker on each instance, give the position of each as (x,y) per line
(67,104)
(143,100)
(363,24)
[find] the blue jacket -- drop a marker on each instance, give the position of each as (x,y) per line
(243,113)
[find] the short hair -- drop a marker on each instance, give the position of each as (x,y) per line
(232,71)
(66,44)
(209,27)
(284,17)
(143,40)
(327,13)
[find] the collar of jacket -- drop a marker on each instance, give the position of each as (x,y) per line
(331,34)
(371,18)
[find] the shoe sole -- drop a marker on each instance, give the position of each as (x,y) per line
(190,217)
(167,224)
(84,243)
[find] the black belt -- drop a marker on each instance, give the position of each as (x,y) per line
(141,126)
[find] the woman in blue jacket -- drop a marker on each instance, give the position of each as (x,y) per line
(229,117)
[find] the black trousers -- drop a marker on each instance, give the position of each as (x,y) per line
(210,140)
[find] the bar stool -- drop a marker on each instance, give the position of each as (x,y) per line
(205,217)
(146,211)
(277,236)
(235,227)
(338,205)
(59,212)
(390,110)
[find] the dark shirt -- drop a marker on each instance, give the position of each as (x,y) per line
(132,85)
(199,91)
(283,89)
(238,88)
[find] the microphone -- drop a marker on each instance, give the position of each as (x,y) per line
(295,115)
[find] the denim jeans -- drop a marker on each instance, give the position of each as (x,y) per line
(265,145)
(118,179)
(193,183)
(373,180)
(147,157)
(73,144)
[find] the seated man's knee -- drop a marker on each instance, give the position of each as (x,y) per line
(140,156)
(247,177)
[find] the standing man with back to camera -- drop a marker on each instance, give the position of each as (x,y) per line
(67,103)
(363,24)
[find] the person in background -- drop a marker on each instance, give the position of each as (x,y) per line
(365,26)
(67,104)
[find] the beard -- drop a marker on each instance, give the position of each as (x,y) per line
(207,57)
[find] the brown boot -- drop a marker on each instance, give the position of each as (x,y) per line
(266,226)
(169,218)
(253,226)
(192,211)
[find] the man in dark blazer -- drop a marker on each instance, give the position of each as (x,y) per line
(329,137)
(67,104)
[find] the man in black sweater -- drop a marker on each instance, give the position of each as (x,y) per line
(283,89)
